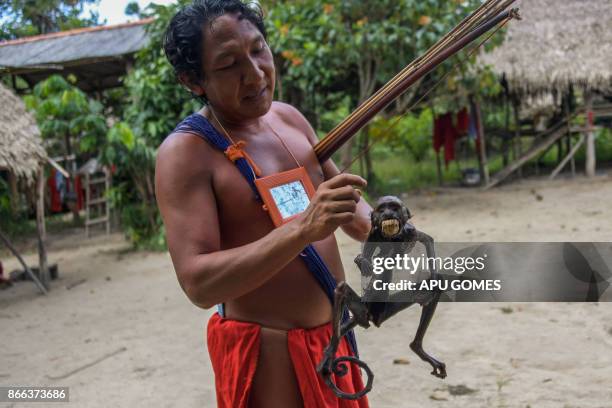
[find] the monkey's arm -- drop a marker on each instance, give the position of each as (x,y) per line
(364,259)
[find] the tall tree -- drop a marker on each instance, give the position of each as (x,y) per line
(352,47)
(20,18)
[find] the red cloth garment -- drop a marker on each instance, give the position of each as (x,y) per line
(450,135)
(438,134)
(463,122)
(234,349)
(56,201)
(445,134)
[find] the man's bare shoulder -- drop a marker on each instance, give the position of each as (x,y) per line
(293,117)
(183,155)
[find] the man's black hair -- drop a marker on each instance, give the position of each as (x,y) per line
(184,36)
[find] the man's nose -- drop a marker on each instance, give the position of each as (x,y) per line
(253,73)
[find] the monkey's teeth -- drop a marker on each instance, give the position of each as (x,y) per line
(390,227)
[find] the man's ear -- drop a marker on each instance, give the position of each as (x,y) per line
(193,84)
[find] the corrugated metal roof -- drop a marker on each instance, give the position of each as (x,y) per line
(88,43)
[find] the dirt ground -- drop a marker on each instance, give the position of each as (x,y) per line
(117,329)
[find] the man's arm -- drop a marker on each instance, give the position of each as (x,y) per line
(186,201)
(359,228)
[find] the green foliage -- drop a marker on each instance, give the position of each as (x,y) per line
(66,115)
(152,106)
(397,172)
(326,51)
(411,133)
(20,18)
(15,225)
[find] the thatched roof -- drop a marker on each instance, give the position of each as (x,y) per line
(21,150)
(97,56)
(557,43)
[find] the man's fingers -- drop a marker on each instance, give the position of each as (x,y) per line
(345,179)
(346,193)
(344,206)
(344,218)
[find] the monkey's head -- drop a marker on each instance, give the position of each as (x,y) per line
(389,216)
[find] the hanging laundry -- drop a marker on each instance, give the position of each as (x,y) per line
(60,190)
(438,134)
(463,122)
(55,191)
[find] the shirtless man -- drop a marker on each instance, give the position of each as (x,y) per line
(224,247)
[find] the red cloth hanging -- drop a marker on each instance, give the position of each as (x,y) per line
(446,133)
(438,134)
(56,201)
(463,122)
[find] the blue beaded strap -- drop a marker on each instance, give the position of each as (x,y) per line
(198,125)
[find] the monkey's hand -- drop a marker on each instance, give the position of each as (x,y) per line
(364,264)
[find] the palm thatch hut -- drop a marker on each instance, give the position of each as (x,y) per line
(558,44)
(23,156)
(559,47)
(21,150)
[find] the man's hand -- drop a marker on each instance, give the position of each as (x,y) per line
(333,205)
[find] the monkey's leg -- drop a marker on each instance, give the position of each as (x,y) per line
(439,368)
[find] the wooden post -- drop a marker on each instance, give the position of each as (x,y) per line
(107,187)
(518,146)
(590,135)
(568,119)
(41,230)
(505,144)
(433,128)
(87,203)
(14,193)
(482,153)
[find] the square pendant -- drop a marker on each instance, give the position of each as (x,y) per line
(285,195)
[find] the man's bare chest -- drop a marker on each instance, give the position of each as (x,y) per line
(237,205)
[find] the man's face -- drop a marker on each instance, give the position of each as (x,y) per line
(238,68)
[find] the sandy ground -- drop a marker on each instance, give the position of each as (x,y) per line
(117,329)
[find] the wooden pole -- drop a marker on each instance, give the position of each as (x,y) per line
(14,193)
(107,186)
(566,110)
(518,145)
(433,128)
(590,135)
(505,144)
(41,230)
(484,166)
(569,157)
(87,201)
(11,248)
